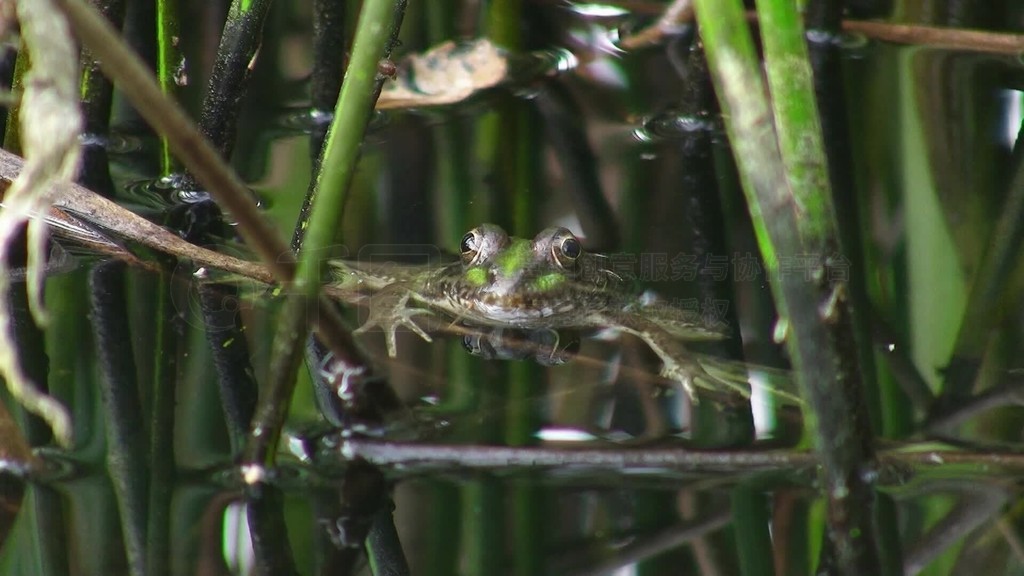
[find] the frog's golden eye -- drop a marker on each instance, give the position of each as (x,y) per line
(566,249)
(482,243)
(571,248)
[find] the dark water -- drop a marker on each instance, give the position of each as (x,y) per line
(625,476)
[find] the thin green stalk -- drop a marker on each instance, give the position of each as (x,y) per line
(91,524)
(452,191)
(168,58)
(750,522)
(441,528)
(440,23)
(797,127)
(504,23)
(514,136)
(42,507)
(527,521)
(655,510)
(72,368)
(286,358)
(359,92)
(162,461)
(791,220)
(527,153)
(483,522)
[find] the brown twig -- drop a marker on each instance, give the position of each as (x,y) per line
(935,37)
(680,13)
(100,211)
(894,463)
(610,459)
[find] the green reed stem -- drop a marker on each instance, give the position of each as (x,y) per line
(750,522)
(168,57)
(785,181)
(162,403)
(797,126)
(359,92)
(376,31)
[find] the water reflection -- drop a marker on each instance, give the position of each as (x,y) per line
(534,453)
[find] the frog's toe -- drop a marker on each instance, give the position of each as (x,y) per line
(407,321)
(391,340)
(390,325)
(690,377)
(366,326)
(686,378)
(391,332)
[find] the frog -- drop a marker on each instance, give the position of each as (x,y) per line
(547,282)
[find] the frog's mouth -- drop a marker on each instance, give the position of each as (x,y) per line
(513,310)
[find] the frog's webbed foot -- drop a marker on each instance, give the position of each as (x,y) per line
(678,363)
(390,310)
(691,375)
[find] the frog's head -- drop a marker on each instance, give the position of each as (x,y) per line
(500,265)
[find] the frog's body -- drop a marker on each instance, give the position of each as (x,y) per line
(545,283)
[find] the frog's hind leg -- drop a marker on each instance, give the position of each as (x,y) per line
(678,364)
(390,309)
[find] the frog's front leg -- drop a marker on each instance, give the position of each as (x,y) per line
(685,324)
(389,309)
(678,363)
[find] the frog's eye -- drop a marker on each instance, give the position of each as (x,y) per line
(571,248)
(566,249)
(469,244)
(481,243)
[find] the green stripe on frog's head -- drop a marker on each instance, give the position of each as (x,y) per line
(477,276)
(515,258)
(546,282)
